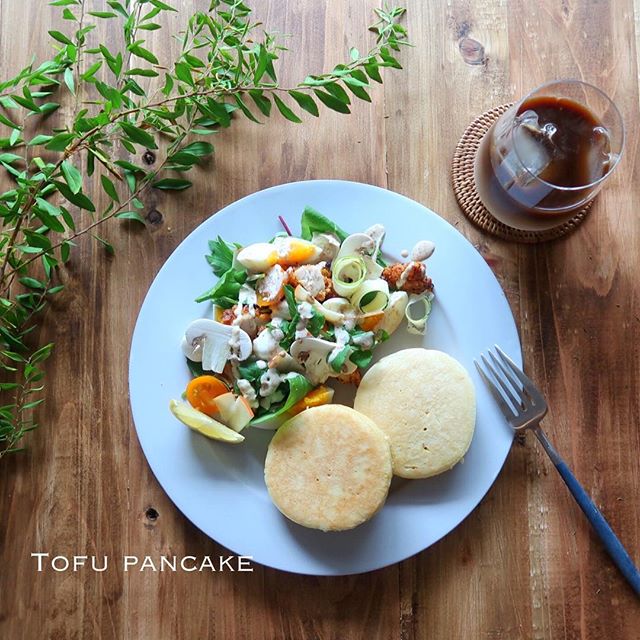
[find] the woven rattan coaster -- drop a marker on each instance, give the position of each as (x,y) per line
(467,194)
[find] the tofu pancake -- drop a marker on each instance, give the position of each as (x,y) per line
(425,402)
(328,468)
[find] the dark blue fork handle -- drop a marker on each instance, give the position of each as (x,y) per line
(611,543)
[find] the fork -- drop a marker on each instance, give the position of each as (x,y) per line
(524,407)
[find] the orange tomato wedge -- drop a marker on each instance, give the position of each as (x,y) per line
(319,396)
(370,321)
(203,391)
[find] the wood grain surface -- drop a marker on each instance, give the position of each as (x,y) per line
(524,564)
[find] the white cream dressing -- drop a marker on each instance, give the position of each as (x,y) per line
(265,346)
(422,250)
(248,392)
(270,380)
(405,253)
(363,340)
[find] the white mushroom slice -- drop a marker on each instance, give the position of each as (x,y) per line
(313,354)
(357,244)
(192,351)
(339,305)
(216,340)
(394,313)
(374,270)
(284,363)
(302,295)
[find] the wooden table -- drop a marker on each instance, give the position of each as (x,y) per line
(524,564)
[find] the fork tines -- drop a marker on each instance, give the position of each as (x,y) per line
(516,395)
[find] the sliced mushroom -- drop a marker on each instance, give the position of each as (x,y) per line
(284,363)
(328,243)
(216,341)
(313,353)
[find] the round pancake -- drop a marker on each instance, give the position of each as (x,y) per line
(425,402)
(328,468)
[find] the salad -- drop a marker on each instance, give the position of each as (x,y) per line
(290,314)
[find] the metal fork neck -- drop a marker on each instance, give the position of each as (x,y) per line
(546,443)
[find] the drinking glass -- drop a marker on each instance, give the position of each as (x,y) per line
(548,155)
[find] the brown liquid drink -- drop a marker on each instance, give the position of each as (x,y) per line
(546,157)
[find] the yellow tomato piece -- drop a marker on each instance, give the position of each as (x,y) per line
(370,321)
(315,398)
(202,393)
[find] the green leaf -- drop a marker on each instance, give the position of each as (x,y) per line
(130,215)
(72,176)
(79,199)
(48,213)
(32,283)
(91,71)
(299,387)
(285,111)
(4,120)
(60,37)
(225,292)
(109,188)
(338,92)
(145,73)
(162,5)
(59,142)
(221,257)
(314,222)
(331,101)
(39,139)
(199,148)
(337,361)
(361,358)
(263,63)
(107,245)
(69,81)
(141,52)
(264,104)
(103,14)
(373,71)
(245,110)
(290,297)
(306,102)
(354,54)
(315,324)
(358,90)
(138,135)
(183,72)
(172,184)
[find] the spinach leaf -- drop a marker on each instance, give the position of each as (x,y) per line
(315,324)
(250,371)
(225,292)
(291,300)
(195,368)
(361,358)
(299,386)
(314,222)
(340,358)
(221,257)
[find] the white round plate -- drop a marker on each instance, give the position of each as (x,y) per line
(220,487)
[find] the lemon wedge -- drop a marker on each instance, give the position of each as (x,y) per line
(203,424)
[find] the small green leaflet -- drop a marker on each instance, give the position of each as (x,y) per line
(172,184)
(225,292)
(109,188)
(340,358)
(306,102)
(314,222)
(299,387)
(221,257)
(138,135)
(72,176)
(130,215)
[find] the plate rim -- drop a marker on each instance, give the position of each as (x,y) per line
(225,211)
